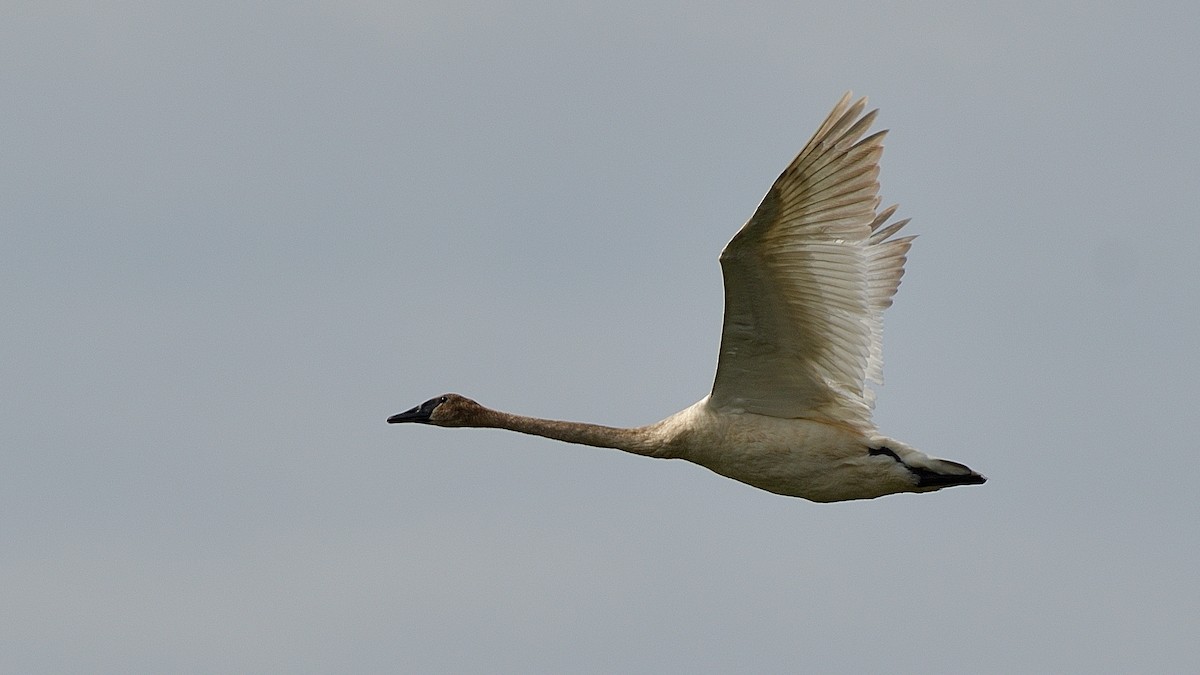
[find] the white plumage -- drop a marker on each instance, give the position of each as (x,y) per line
(806,281)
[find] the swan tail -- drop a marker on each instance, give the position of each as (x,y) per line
(940,473)
(928,472)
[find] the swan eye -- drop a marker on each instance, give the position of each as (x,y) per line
(442,399)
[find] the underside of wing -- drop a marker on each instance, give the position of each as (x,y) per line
(807,279)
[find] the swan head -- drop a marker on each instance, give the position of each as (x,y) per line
(447,410)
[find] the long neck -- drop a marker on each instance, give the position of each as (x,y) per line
(640,440)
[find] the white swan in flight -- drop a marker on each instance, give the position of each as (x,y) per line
(806,281)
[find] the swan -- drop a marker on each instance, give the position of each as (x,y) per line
(806,281)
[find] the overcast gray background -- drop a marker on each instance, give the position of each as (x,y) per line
(236,237)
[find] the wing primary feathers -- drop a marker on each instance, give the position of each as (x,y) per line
(807,279)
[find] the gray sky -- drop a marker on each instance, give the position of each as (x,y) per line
(238,236)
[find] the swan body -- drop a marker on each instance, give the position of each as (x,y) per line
(806,281)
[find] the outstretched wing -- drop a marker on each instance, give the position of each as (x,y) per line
(807,279)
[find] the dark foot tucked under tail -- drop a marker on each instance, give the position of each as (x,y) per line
(927,478)
(953,473)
